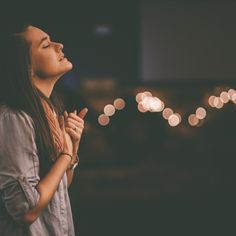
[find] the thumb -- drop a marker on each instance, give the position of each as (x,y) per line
(83,112)
(62,122)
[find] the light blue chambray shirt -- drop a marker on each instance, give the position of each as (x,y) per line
(19,174)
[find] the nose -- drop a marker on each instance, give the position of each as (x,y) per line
(59,47)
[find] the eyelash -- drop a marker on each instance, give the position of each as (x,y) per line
(47,46)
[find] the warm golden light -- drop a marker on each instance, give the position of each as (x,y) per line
(155,104)
(141,108)
(233,98)
(119,103)
(109,110)
(103,120)
(146,102)
(167,112)
(180,118)
(147,94)
(201,113)
(173,120)
(218,103)
(193,120)
(211,101)
(231,92)
(139,97)
(224,97)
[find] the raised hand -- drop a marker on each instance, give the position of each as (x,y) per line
(74,126)
(67,140)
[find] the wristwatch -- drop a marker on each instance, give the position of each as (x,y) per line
(74,163)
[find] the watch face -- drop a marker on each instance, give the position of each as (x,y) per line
(74,163)
(73,167)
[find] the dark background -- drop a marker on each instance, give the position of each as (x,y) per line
(138,175)
(187,39)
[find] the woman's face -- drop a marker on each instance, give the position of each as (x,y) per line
(47,58)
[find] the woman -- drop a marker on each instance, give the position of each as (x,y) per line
(38,143)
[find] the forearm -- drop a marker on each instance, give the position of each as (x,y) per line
(47,187)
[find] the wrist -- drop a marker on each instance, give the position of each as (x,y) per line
(67,155)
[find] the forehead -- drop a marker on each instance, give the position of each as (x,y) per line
(33,35)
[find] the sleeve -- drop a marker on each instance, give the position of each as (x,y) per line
(19,164)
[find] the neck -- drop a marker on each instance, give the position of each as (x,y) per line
(45,86)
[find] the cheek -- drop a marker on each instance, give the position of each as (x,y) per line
(41,62)
(48,66)
(44,66)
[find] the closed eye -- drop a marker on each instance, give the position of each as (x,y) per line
(46,46)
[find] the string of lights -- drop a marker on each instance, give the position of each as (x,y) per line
(146,102)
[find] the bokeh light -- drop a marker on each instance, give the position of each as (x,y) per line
(167,112)
(109,110)
(142,95)
(139,97)
(103,120)
(146,102)
(174,120)
(119,103)
(211,101)
(201,113)
(180,118)
(231,92)
(224,97)
(193,120)
(156,105)
(218,103)
(147,94)
(233,98)
(141,108)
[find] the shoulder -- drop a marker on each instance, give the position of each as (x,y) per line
(12,119)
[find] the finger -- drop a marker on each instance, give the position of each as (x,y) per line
(83,112)
(75,117)
(74,134)
(75,112)
(65,114)
(74,120)
(74,125)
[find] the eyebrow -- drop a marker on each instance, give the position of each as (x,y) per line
(43,39)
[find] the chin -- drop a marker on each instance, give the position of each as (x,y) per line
(69,65)
(66,68)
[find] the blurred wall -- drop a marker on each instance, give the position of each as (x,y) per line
(188,40)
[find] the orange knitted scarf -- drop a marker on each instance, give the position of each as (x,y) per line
(54,128)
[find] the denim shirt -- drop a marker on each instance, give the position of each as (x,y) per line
(19,175)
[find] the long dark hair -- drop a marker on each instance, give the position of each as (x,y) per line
(18,92)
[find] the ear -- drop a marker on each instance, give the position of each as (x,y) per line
(31,71)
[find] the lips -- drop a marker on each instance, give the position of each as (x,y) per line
(61,57)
